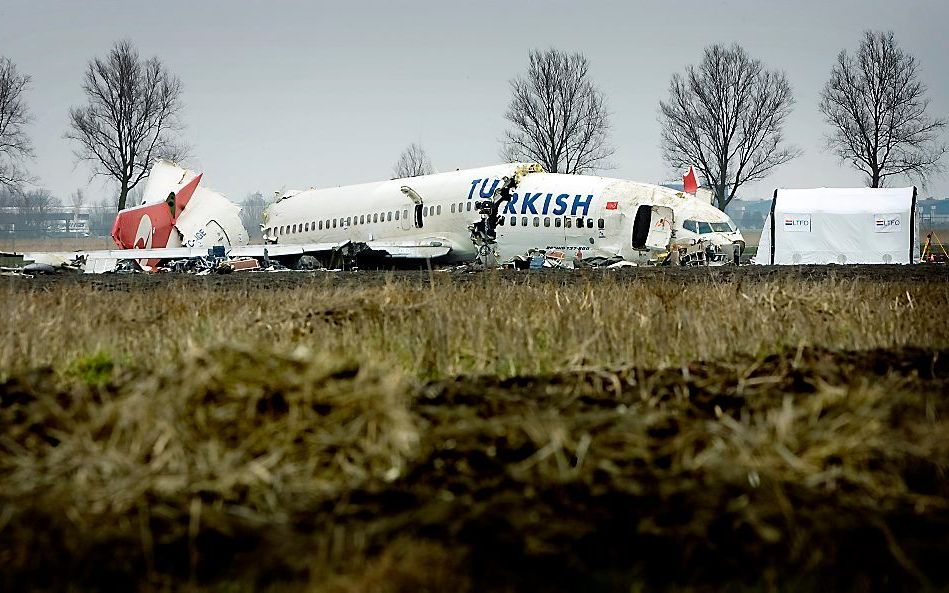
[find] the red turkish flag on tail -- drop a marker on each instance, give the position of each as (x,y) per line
(690,183)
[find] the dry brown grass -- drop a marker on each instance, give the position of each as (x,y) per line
(524,432)
(7,243)
(502,324)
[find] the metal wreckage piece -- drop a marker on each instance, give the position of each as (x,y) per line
(484,234)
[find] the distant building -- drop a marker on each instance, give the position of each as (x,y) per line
(54,221)
(935,213)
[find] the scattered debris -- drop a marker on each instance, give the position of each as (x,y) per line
(35,268)
(309,262)
(240,264)
(929,254)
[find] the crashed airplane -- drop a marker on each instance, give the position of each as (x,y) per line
(504,213)
(500,213)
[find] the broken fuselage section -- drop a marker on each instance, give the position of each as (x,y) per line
(176,212)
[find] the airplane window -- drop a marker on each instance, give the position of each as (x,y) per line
(334,223)
(438,210)
(589,223)
(557,222)
(405,213)
(362,219)
(375,217)
(397,215)
(293,228)
(523,221)
(312,225)
(513,221)
(537,221)
(389,216)
(600,223)
(424,210)
(461,206)
(452,207)
(691,225)
(306,227)
(568,223)
(721,227)
(579,223)
(349,220)
(469,206)
(705,227)
(321,225)
(546,221)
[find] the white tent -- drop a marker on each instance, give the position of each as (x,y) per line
(841,226)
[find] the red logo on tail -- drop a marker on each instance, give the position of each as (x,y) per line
(690,183)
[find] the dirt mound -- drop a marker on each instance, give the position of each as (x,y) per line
(244,469)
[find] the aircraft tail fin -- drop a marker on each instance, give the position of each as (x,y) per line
(150,225)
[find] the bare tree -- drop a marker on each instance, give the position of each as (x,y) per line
(412,162)
(877,107)
(131,118)
(102,217)
(8,197)
(726,118)
(559,116)
(33,208)
(252,212)
(77,199)
(15,146)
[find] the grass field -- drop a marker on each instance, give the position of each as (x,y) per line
(645,429)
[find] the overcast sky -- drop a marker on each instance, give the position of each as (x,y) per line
(299,94)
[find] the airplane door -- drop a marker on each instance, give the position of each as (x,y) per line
(652,228)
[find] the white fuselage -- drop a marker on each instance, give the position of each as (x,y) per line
(580,215)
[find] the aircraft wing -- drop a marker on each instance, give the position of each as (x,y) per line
(411,249)
(186,252)
(396,249)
